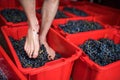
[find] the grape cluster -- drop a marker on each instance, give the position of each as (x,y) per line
(13,15)
(31,62)
(60,14)
(75,11)
(103,51)
(79,26)
(2,76)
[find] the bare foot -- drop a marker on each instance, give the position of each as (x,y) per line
(50,51)
(32,42)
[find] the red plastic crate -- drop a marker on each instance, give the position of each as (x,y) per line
(9,3)
(118,23)
(61,67)
(64,2)
(108,15)
(16,3)
(99,11)
(67,35)
(105,8)
(96,9)
(113,19)
(3,21)
(83,8)
(39,3)
(78,3)
(86,6)
(117,27)
(7,67)
(86,69)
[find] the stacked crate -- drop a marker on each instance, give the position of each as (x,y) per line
(74,24)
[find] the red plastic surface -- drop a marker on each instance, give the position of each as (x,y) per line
(65,34)
(90,8)
(61,68)
(9,3)
(64,2)
(86,69)
(98,11)
(78,3)
(102,7)
(113,19)
(117,27)
(7,66)
(95,6)
(39,3)
(94,9)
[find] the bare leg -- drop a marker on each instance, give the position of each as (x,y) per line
(32,40)
(49,10)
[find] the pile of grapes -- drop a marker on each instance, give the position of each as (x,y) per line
(75,26)
(13,15)
(30,62)
(75,11)
(103,51)
(2,76)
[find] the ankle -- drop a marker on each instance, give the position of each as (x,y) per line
(34,28)
(34,25)
(43,42)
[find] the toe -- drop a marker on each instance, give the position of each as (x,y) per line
(28,51)
(51,53)
(25,47)
(35,53)
(31,51)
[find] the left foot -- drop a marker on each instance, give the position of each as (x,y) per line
(32,42)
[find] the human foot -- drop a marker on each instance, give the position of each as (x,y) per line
(50,51)
(32,42)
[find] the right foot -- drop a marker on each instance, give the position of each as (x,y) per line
(32,42)
(50,51)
